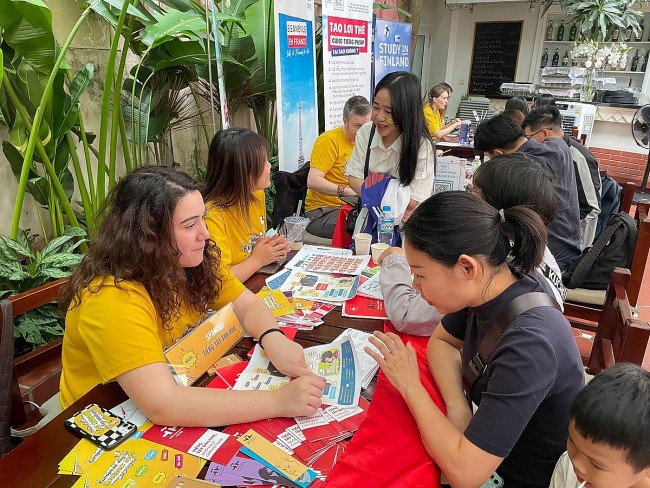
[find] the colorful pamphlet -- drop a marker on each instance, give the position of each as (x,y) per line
(135,462)
(201,442)
(336,362)
(368,367)
(259,448)
(192,355)
(362,307)
(326,262)
(370,287)
(318,286)
(277,301)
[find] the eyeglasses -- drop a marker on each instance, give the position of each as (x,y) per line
(529,136)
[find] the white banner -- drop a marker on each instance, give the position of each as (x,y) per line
(295,74)
(347,48)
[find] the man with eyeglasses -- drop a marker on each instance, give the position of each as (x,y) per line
(502,135)
(545,122)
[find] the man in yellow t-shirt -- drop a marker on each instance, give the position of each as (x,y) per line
(326,183)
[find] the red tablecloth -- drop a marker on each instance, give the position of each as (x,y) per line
(341,238)
(387,450)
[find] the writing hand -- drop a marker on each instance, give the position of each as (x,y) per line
(300,397)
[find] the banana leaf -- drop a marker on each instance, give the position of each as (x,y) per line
(27,28)
(173,24)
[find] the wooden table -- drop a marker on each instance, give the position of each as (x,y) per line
(453,149)
(34,463)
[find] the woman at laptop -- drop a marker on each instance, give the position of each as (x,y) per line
(151,274)
(238,172)
(458,248)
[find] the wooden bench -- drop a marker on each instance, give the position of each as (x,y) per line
(36,375)
(618,337)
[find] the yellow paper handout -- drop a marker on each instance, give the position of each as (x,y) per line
(277,302)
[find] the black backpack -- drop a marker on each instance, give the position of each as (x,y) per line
(613,248)
(610,200)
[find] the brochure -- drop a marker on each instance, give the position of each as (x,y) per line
(329,263)
(204,345)
(364,308)
(318,286)
(336,362)
(368,367)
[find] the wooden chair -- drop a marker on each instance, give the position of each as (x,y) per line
(43,362)
(583,307)
(619,337)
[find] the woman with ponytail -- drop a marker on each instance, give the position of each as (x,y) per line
(470,261)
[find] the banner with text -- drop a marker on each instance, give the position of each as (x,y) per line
(391,49)
(295,74)
(347,54)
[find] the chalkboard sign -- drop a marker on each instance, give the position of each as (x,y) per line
(495,55)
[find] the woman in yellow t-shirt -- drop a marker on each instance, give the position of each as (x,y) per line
(435,110)
(150,274)
(237,174)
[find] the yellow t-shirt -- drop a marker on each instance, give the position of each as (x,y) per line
(116,330)
(331,151)
(233,235)
(434,120)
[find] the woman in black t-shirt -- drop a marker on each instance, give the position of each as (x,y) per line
(458,247)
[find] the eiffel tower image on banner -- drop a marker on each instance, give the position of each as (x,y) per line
(301,152)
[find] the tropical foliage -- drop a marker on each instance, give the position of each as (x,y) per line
(23,267)
(599,18)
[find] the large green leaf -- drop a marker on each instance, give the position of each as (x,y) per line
(72,102)
(62,260)
(259,25)
(173,24)
(108,5)
(56,244)
(15,246)
(28,29)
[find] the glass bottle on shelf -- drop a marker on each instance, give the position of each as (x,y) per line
(573,31)
(615,34)
(635,61)
(639,36)
(556,57)
(560,32)
(545,58)
(565,59)
(645,62)
(628,33)
(549,31)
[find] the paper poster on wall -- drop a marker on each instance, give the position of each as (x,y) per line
(295,73)
(391,48)
(347,52)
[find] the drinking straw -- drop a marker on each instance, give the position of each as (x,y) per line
(581,485)
(297,214)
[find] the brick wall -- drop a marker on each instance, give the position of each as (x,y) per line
(623,166)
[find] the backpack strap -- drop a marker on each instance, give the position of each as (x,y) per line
(367,164)
(522,304)
(584,266)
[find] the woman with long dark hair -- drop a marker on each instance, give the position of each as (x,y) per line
(401,145)
(151,274)
(471,261)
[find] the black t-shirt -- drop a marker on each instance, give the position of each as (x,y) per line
(534,375)
(564,229)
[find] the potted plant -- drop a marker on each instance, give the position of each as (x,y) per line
(599,18)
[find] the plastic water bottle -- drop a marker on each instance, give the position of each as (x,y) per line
(386,226)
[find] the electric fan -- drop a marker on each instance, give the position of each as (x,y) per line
(641,133)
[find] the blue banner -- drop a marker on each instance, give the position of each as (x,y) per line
(391,48)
